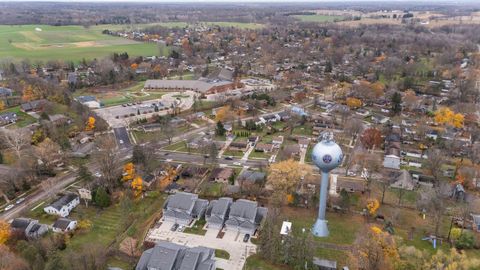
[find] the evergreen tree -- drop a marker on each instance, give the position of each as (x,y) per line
(102,198)
(220,130)
(84,174)
(396,103)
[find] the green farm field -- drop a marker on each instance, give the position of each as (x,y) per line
(44,42)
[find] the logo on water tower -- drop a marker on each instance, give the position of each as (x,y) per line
(327,159)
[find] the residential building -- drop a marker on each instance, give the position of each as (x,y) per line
(63,225)
(170,256)
(34,106)
(239,146)
(30,228)
(221,175)
(63,206)
(217,212)
(252,176)
(402,180)
(183,208)
(264,147)
(8,118)
(5,92)
(245,216)
(277,141)
(476,222)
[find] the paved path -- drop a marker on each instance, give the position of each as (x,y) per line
(231,242)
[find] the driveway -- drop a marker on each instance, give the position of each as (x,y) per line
(123,141)
(231,242)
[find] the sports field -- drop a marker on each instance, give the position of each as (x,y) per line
(44,42)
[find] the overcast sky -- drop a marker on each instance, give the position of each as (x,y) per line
(246,1)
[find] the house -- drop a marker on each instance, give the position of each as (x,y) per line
(8,118)
(5,92)
(34,106)
(252,140)
(63,225)
(170,256)
(252,176)
(238,146)
(183,208)
(221,175)
(30,228)
(245,216)
(277,141)
(264,147)
(292,150)
(217,212)
(194,171)
(476,222)
(403,180)
(380,119)
(391,159)
(89,101)
(349,184)
(303,143)
(149,180)
(432,134)
(63,206)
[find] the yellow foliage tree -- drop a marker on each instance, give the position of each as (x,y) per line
(28,94)
(372,206)
(2,105)
(137,185)
(284,178)
(354,103)
(128,171)
(447,116)
(84,225)
(224,114)
(134,66)
(90,124)
(4,232)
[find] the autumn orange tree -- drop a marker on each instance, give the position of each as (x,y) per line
(128,171)
(374,249)
(284,177)
(28,93)
(224,114)
(371,138)
(90,124)
(446,116)
(2,105)
(4,232)
(378,88)
(354,103)
(137,185)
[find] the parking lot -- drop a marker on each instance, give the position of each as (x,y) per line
(121,115)
(232,242)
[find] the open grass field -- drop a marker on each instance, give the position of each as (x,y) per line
(44,42)
(318,18)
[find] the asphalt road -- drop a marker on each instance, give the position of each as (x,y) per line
(61,182)
(123,141)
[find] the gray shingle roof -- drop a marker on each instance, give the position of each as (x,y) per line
(169,256)
(62,223)
(66,199)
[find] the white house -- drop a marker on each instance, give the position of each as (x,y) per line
(63,225)
(63,206)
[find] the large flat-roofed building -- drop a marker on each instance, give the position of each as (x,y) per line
(202,86)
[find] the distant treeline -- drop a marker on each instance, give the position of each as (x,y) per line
(300,13)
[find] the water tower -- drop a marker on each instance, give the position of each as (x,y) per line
(326,155)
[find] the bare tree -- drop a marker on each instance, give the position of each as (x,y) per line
(108,160)
(16,140)
(435,160)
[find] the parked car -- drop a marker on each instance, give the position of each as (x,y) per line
(10,206)
(20,200)
(229,158)
(181,228)
(237,163)
(174,227)
(246,237)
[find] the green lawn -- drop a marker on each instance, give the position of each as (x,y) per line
(318,18)
(259,155)
(23,118)
(45,42)
(197,228)
(255,262)
(220,253)
(233,153)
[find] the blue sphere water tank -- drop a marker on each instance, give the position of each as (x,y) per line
(327,155)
